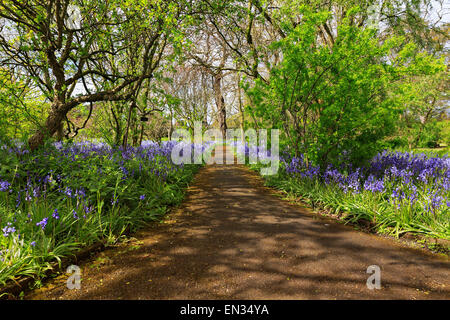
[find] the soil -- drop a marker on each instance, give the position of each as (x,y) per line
(234,239)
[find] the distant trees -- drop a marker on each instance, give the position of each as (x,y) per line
(212,56)
(191,90)
(425,99)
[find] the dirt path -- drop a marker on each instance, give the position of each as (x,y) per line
(233,239)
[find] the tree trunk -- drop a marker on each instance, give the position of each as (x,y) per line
(135,130)
(127,129)
(241,114)
(52,125)
(141,136)
(171,125)
(220,102)
(60,132)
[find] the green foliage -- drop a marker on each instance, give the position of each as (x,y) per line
(21,109)
(77,52)
(444,126)
(430,136)
(424,100)
(380,209)
(99,195)
(337,99)
(366,206)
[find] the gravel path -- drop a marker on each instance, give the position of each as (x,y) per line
(234,239)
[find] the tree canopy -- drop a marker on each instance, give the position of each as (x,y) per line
(338,77)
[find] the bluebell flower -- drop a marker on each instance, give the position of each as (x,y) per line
(42,223)
(8,229)
(69,192)
(4,186)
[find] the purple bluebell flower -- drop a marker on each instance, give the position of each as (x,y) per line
(55,214)
(69,192)
(42,223)
(4,186)
(8,229)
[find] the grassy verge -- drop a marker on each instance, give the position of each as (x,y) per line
(364,207)
(63,198)
(408,195)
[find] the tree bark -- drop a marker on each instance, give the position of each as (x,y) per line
(241,111)
(171,125)
(52,125)
(141,136)
(220,102)
(127,129)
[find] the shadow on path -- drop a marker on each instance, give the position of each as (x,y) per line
(231,239)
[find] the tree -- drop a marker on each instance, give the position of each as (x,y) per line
(157,128)
(20,109)
(425,98)
(66,48)
(211,54)
(333,99)
(191,92)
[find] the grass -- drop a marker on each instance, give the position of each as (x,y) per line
(354,208)
(402,205)
(59,201)
(439,152)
